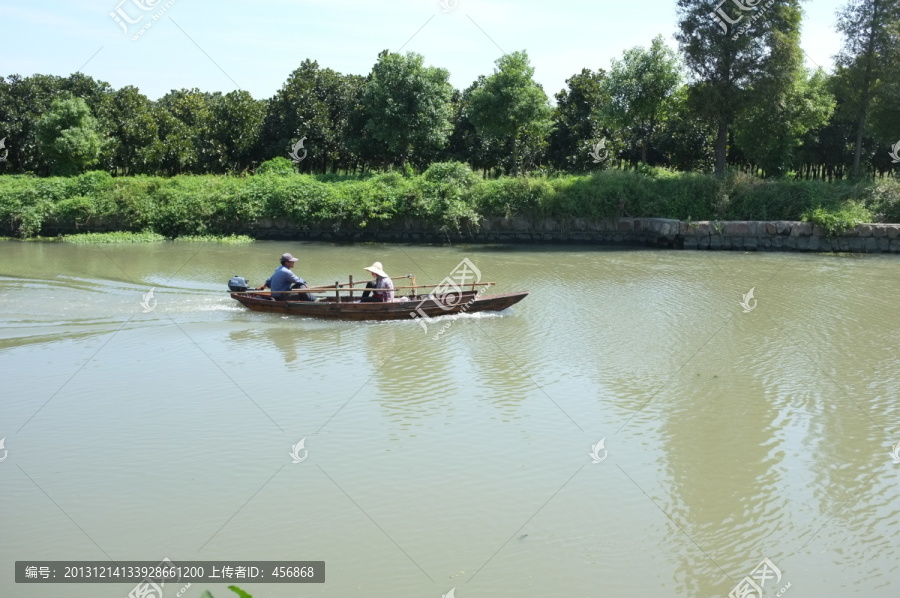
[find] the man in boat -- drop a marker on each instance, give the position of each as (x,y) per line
(284,280)
(383,287)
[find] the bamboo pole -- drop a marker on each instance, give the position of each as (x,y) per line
(343,290)
(365,281)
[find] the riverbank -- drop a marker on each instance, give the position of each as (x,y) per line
(446,202)
(777,235)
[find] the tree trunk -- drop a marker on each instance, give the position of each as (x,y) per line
(721,145)
(866,84)
(645,148)
(515,155)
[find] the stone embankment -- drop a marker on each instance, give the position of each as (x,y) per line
(773,235)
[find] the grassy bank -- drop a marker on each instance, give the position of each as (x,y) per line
(446,196)
(125,237)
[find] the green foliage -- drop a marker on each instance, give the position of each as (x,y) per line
(231,239)
(729,65)
(838,220)
(749,104)
(577,123)
(150,237)
(770,132)
(317,104)
(510,196)
(448,196)
(68,136)
(408,105)
(511,105)
(641,88)
(278,165)
(117,237)
(445,195)
(885,200)
(869,60)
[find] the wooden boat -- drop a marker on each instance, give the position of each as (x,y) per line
(407,307)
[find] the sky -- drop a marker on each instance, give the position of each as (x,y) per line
(224,45)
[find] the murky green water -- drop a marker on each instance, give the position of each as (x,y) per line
(463,461)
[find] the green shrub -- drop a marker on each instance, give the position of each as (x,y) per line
(840,220)
(885,201)
(278,166)
(447,196)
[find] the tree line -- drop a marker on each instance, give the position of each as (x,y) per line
(735,95)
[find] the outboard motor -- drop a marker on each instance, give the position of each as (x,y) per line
(238,284)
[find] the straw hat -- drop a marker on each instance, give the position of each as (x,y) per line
(377,270)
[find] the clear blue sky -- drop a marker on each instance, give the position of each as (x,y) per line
(254,44)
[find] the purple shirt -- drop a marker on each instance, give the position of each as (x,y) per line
(384,283)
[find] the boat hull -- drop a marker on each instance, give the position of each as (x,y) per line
(409,307)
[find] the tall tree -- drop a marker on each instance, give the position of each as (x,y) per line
(173,151)
(314,103)
(577,126)
(26,100)
(67,135)
(234,127)
(511,105)
(186,140)
(407,105)
(133,129)
(770,132)
(870,39)
(466,144)
(641,87)
(687,140)
(726,64)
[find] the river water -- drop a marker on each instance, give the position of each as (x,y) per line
(461,461)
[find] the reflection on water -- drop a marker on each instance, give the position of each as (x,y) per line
(459,460)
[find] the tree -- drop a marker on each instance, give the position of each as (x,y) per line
(511,105)
(640,89)
(314,103)
(365,150)
(467,144)
(185,144)
(686,141)
(25,100)
(726,65)
(770,132)
(577,125)
(173,151)
(869,27)
(343,93)
(67,135)
(407,105)
(133,129)
(234,130)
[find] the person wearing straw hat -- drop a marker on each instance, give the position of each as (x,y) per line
(383,284)
(284,280)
